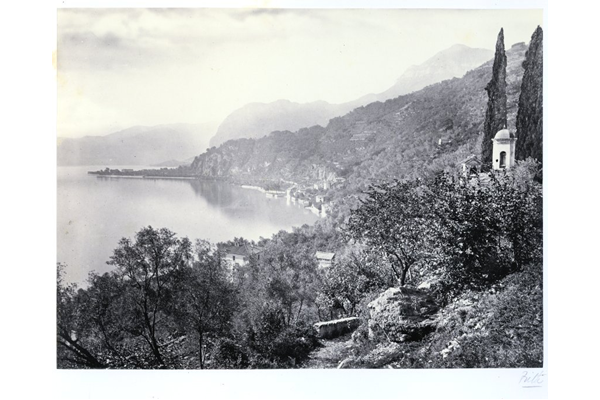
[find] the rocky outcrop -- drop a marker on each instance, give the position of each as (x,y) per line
(335,328)
(401,315)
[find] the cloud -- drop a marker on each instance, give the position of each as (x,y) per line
(151,66)
(80,115)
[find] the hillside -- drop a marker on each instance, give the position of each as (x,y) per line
(392,139)
(139,145)
(256,120)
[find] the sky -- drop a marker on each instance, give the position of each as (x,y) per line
(118,68)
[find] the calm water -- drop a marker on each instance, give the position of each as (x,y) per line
(94,213)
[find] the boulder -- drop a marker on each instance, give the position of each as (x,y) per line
(401,315)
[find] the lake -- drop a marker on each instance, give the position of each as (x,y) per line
(94,213)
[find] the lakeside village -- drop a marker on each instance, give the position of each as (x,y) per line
(312,196)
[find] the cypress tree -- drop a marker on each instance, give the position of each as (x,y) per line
(495,116)
(529,116)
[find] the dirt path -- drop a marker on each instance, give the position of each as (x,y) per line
(331,353)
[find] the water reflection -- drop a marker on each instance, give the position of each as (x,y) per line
(216,194)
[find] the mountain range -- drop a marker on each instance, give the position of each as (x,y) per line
(429,129)
(138,145)
(256,120)
(176,144)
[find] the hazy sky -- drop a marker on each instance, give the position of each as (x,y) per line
(124,67)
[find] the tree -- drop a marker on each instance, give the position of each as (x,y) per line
(107,322)
(353,275)
(147,267)
(71,352)
(495,116)
(531,105)
(392,219)
(204,299)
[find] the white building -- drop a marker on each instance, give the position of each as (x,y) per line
(503,153)
(324,258)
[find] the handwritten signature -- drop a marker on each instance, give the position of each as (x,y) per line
(531,379)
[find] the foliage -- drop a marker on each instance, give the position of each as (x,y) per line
(353,275)
(157,309)
(204,299)
(70,351)
(147,268)
(488,229)
(531,108)
(272,343)
(392,220)
(464,232)
(229,354)
(496,114)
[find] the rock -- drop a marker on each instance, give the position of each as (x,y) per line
(401,315)
(335,328)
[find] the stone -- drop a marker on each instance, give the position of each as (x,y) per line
(335,328)
(401,315)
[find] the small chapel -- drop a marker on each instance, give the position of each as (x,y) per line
(503,153)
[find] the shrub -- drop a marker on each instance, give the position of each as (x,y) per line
(293,345)
(229,354)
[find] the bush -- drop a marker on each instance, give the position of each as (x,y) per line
(228,354)
(271,343)
(293,345)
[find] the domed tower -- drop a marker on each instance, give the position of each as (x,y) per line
(503,153)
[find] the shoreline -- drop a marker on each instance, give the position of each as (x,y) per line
(145,177)
(260,189)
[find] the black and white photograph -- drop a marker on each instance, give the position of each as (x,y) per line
(288,188)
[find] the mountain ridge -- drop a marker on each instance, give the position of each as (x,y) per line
(256,120)
(429,129)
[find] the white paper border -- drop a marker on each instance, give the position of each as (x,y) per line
(449,383)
